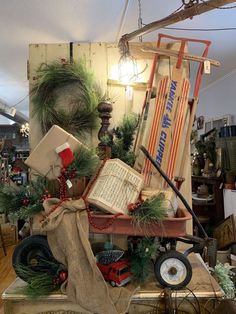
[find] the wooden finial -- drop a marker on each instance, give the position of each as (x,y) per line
(104,108)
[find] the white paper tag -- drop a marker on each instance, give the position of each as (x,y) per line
(69,184)
(207,67)
(12,111)
(129,93)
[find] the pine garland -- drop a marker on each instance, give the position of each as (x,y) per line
(152,210)
(82,116)
(25,201)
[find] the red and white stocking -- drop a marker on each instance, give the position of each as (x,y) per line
(66,154)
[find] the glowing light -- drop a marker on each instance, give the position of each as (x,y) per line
(128,69)
(24,130)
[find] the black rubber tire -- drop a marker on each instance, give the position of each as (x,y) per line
(30,252)
(183,262)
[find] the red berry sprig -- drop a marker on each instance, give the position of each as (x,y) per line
(46,195)
(133,206)
(61,277)
(25,201)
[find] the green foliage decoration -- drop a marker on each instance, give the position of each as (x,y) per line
(26,200)
(123,137)
(208,148)
(85,162)
(224,277)
(82,114)
(141,259)
(152,210)
(39,283)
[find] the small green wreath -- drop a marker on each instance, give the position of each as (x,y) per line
(79,111)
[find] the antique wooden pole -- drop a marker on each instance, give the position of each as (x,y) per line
(184,14)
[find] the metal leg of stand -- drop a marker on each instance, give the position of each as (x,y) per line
(2,240)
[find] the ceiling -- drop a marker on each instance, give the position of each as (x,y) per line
(61,21)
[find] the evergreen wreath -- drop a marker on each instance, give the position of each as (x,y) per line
(82,114)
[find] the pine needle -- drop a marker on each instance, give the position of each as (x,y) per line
(38,283)
(85,162)
(152,210)
(12,198)
(141,259)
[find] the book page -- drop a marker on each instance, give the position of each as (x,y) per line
(116,187)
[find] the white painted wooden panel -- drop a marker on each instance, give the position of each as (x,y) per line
(229,203)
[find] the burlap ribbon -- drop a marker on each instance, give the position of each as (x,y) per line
(67,232)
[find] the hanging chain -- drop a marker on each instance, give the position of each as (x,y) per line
(189,3)
(140,21)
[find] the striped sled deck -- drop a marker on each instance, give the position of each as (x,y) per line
(165,123)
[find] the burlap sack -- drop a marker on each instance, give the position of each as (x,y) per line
(67,232)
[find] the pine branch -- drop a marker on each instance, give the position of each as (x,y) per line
(121,146)
(25,201)
(85,162)
(152,210)
(38,283)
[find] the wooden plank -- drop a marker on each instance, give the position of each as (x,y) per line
(57,52)
(203,285)
(7,274)
(179,127)
(185,56)
(136,49)
(115,93)
(136,85)
(186,141)
(155,122)
(98,64)
(82,51)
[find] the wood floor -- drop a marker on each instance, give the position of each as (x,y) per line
(7,274)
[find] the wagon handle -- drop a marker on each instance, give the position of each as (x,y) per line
(195,218)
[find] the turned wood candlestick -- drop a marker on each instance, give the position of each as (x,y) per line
(104,108)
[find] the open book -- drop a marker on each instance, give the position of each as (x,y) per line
(116,187)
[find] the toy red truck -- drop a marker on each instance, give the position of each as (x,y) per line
(117,273)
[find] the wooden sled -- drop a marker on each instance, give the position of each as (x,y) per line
(166,123)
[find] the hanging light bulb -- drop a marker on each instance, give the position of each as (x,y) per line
(128,69)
